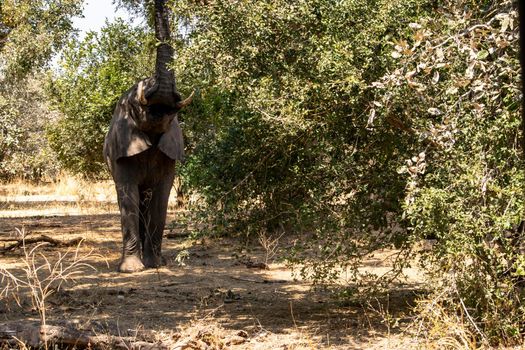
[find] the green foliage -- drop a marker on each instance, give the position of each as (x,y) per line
(24,113)
(137,7)
(31,31)
(10,132)
(365,125)
(281,132)
(458,87)
(93,75)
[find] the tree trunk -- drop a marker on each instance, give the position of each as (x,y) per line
(521,10)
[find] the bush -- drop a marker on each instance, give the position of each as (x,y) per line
(10,134)
(458,85)
(366,125)
(281,138)
(24,114)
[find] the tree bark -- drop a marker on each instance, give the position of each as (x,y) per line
(521,13)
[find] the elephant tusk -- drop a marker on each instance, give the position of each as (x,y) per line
(186,101)
(140,93)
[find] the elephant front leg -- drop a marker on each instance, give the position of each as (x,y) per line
(156,220)
(128,197)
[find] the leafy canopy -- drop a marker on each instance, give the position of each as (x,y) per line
(31,31)
(365,125)
(282,137)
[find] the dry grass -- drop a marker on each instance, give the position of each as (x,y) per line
(63,187)
(43,276)
(441,325)
(65,195)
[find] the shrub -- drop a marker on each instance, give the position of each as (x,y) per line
(281,138)
(24,114)
(366,125)
(458,85)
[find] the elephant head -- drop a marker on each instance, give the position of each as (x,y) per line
(157,100)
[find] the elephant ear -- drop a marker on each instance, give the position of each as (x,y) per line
(171,143)
(124,139)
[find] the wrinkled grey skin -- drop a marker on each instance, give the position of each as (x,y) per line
(141,148)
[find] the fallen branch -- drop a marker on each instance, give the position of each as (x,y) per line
(177,235)
(19,242)
(35,335)
(257,280)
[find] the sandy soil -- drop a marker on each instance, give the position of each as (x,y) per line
(215,286)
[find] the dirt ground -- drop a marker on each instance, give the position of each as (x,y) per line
(207,283)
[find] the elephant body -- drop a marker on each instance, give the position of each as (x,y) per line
(141,157)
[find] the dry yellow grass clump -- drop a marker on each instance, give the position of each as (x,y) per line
(64,195)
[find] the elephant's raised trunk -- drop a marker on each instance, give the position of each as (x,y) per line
(163,91)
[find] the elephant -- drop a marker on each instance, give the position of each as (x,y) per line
(141,148)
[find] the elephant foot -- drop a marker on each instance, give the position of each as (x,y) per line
(130,264)
(154,262)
